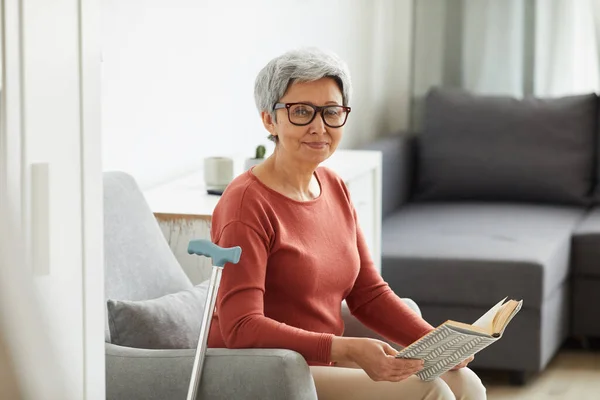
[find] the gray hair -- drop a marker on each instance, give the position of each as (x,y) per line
(301,65)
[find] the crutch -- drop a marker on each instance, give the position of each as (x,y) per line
(219,256)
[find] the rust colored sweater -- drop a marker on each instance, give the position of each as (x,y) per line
(299,261)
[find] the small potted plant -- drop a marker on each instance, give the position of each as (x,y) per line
(259,157)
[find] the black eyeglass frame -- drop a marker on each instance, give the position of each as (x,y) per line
(317,109)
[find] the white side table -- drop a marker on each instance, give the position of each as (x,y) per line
(184,209)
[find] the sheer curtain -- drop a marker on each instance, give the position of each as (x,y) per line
(545,48)
(493,46)
(566,51)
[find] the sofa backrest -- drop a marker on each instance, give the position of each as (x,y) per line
(398,159)
(138,263)
(497,148)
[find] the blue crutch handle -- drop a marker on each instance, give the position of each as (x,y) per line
(219,255)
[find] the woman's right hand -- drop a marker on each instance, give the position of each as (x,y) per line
(375,357)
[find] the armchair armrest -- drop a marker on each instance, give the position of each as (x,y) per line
(399,157)
(228,374)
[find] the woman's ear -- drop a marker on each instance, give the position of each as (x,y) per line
(268,122)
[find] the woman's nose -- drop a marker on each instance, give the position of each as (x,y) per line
(317,126)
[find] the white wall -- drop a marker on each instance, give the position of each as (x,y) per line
(55,81)
(178,76)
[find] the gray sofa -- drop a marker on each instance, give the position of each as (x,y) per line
(139,265)
(498,197)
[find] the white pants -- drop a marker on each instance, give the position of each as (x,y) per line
(335,383)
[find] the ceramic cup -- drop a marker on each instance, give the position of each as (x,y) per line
(218,172)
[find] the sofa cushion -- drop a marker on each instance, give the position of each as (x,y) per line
(477,253)
(586,245)
(168,322)
(495,148)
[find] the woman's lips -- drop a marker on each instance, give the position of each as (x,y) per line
(316,145)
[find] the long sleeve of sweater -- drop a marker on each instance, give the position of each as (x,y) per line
(240,303)
(373,303)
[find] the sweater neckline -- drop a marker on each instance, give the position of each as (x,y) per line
(283,196)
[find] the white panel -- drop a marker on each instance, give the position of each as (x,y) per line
(40,218)
(25,325)
(10,116)
(52,133)
(92,202)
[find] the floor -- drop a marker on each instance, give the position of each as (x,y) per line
(571,375)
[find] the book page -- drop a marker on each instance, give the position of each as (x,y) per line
(486,321)
(466,329)
(505,316)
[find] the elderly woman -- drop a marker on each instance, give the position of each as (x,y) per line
(304,252)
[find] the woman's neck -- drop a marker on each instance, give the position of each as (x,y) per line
(293,176)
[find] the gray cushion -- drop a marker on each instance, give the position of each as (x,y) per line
(586,245)
(169,322)
(477,253)
(138,263)
(503,149)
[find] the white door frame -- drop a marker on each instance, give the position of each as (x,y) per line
(92,199)
(13,182)
(10,107)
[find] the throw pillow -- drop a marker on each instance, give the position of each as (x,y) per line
(498,148)
(169,322)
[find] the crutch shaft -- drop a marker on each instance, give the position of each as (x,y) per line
(220,256)
(213,288)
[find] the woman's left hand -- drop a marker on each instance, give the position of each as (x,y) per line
(463,364)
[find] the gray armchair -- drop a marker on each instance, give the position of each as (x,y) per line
(139,265)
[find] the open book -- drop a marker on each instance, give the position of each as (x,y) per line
(453,342)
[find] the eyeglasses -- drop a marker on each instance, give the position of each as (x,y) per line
(302,114)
